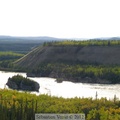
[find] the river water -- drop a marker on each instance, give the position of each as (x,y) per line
(67,89)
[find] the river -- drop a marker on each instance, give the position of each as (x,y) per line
(67,89)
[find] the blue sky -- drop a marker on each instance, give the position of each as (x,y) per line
(60,18)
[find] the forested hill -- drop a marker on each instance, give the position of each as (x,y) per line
(93,52)
(81,61)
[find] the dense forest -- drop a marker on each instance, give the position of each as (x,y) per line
(23,106)
(19,46)
(7,57)
(80,72)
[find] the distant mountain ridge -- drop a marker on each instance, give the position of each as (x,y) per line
(47,38)
(43,38)
(106,38)
(23,44)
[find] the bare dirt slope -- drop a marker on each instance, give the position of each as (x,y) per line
(89,54)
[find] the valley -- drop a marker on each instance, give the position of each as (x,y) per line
(86,63)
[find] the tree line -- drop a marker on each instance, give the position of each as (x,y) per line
(77,72)
(83,43)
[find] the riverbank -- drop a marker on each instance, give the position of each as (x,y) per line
(84,80)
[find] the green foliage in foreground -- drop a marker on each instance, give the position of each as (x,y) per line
(23,106)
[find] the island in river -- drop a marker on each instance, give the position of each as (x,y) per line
(19,82)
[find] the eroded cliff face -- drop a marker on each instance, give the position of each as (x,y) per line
(22,86)
(89,54)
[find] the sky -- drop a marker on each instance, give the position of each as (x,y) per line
(60,18)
